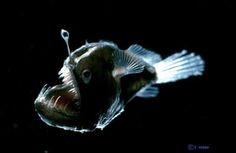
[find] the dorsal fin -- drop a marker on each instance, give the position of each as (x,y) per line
(147,55)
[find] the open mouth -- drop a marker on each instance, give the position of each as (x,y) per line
(59,103)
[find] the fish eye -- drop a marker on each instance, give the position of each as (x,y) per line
(86,76)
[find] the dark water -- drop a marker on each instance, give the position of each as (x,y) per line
(187,116)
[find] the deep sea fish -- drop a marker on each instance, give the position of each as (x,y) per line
(99,80)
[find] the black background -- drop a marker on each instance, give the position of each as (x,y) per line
(187,112)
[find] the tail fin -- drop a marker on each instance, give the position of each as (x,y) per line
(179,66)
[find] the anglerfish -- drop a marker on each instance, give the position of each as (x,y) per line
(99,80)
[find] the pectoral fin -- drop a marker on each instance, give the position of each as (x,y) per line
(147,92)
(126,64)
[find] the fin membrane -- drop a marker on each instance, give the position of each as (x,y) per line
(179,66)
(147,92)
(147,55)
(126,63)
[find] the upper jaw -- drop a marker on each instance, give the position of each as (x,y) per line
(68,77)
(60,103)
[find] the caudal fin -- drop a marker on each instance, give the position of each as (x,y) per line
(179,66)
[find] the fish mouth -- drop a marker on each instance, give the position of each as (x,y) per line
(59,105)
(62,106)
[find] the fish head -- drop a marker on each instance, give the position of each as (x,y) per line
(87,91)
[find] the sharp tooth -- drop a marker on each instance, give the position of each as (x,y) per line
(61,77)
(55,103)
(70,82)
(49,103)
(68,78)
(72,89)
(64,72)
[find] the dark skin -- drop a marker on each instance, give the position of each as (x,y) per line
(98,94)
(132,83)
(98,89)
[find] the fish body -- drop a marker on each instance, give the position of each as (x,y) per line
(99,80)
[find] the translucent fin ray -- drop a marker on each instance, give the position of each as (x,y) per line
(147,92)
(126,63)
(147,55)
(179,66)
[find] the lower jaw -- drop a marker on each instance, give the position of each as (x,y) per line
(57,104)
